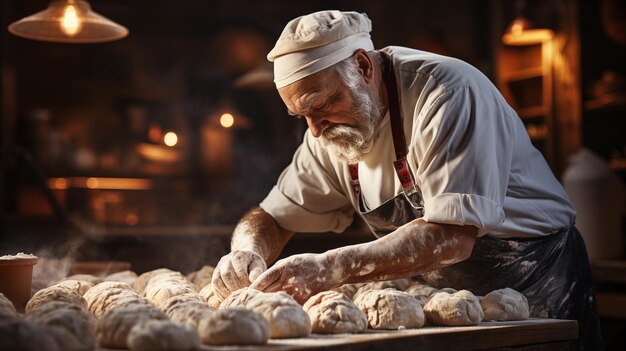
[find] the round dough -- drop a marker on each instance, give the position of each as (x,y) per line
(85,277)
(78,286)
(7,309)
(160,291)
(173,301)
(234,326)
(421,292)
(142,280)
(55,293)
(333,313)
(127,277)
(189,313)
(390,309)
(70,326)
(286,317)
(19,334)
(459,308)
(398,284)
(505,305)
(239,298)
(107,295)
(201,277)
(348,289)
(113,328)
(162,335)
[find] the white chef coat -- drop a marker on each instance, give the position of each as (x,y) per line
(469,151)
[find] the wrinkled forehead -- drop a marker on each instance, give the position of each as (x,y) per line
(301,95)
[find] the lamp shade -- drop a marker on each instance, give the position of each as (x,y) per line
(521,32)
(68,21)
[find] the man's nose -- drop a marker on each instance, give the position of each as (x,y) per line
(317,125)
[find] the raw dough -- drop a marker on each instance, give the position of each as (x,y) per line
(160,291)
(459,308)
(234,326)
(108,295)
(7,309)
(390,309)
(113,328)
(127,277)
(173,301)
(79,286)
(201,277)
(398,284)
(55,293)
(162,335)
(505,305)
(142,280)
(332,312)
(19,334)
(70,326)
(421,292)
(348,289)
(189,313)
(239,298)
(286,317)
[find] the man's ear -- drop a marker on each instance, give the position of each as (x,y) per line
(365,65)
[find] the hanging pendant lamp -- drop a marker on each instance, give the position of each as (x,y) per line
(68,21)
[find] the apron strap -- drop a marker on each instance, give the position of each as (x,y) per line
(403,171)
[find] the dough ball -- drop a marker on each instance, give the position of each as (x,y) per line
(459,308)
(7,309)
(201,277)
(78,286)
(107,295)
(70,326)
(171,276)
(113,328)
(179,299)
(239,298)
(55,293)
(505,305)
(127,277)
(161,291)
(234,326)
(348,289)
(333,313)
(390,309)
(85,277)
(399,284)
(421,292)
(189,313)
(22,335)
(162,335)
(448,290)
(286,317)
(142,280)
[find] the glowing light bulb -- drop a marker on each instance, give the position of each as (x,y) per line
(227,120)
(70,23)
(170,139)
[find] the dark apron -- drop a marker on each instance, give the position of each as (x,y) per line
(551,271)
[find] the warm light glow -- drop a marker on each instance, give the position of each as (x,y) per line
(132,218)
(227,120)
(71,23)
(170,139)
(154,133)
(92,183)
(58,183)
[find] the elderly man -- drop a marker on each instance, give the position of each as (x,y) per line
(425,149)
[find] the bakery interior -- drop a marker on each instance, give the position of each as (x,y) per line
(144,151)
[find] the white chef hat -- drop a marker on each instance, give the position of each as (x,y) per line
(313,42)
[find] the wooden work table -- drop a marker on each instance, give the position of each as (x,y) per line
(532,334)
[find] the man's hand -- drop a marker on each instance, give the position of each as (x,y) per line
(301,276)
(235,271)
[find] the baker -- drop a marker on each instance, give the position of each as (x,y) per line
(427,151)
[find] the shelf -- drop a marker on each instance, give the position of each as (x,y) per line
(606,101)
(618,164)
(523,74)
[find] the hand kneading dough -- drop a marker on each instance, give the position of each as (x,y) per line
(286,317)
(459,308)
(113,328)
(22,335)
(390,309)
(208,294)
(239,298)
(333,313)
(505,305)
(70,326)
(56,293)
(162,335)
(7,309)
(234,326)
(78,286)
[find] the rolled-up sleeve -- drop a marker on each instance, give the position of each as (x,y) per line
(463,161)
(308,196)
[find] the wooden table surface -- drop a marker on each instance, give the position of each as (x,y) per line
(532,334)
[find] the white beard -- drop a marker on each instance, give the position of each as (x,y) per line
(349,143)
